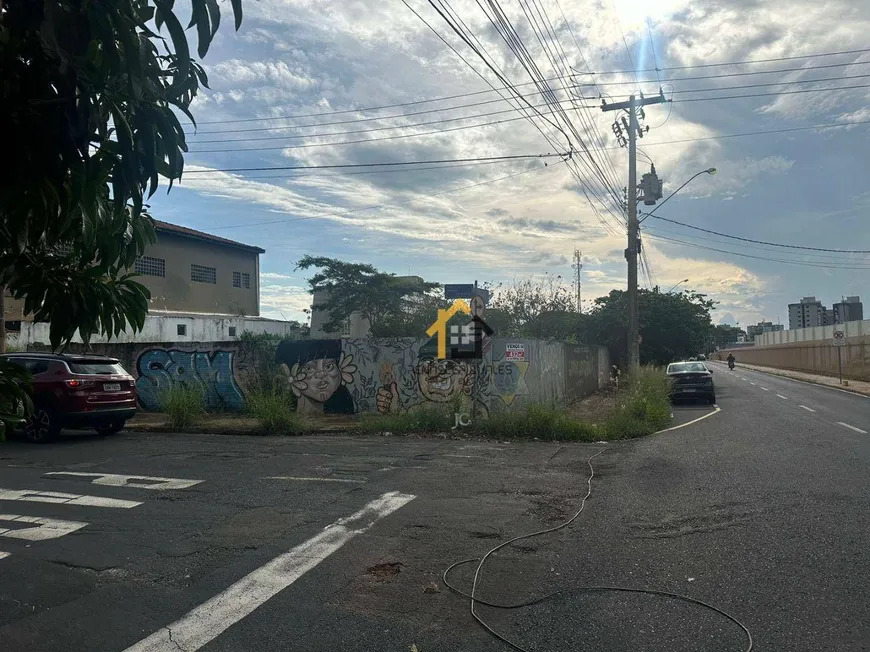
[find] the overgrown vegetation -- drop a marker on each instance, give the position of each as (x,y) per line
(183,405)
(275,413)
(642,407)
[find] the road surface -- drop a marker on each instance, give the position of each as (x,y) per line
(215,543)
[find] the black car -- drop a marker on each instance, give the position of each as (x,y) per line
(691,380)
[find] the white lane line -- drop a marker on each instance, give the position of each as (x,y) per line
(136,481)
(205,622)
(784,397)
(808,409)
(65,499)
(751,383)
(44,528)
(765,389)
(290,477)
(716,409)
(846,425)
(4,554)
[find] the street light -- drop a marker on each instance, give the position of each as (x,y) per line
(710,171)
(685,280)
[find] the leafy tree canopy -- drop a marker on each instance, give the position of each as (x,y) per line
(88,96)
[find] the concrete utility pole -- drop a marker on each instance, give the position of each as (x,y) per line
(632,106)
(578,267)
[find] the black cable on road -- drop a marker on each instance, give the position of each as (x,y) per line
(578,589)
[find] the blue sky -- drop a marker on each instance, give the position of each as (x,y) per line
(309,58)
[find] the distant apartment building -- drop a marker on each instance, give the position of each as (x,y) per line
(808,312)
(755,330)
(850,309)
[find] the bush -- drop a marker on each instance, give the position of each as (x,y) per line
(426,418)
(643,407)
(183,405)
(275,413)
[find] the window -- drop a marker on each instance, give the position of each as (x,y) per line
(246,281)
(97,368)
(203,274)
(237,279)
(232,331)
(345,329)
(181,329)
(150,266)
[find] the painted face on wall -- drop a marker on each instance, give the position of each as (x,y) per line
(320,379)
(441,380)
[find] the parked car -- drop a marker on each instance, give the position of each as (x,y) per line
(76,391)
(691,380)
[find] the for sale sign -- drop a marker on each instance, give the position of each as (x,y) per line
(515,352)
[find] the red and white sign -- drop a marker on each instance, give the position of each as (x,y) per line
(515,352)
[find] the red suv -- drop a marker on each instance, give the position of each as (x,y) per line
(76,391)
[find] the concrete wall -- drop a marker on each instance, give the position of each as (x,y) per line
(811,356)
(165,328)
(388,375)
(851,328)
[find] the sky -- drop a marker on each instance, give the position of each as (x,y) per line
(301,75)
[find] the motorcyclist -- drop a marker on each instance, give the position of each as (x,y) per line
(731,360)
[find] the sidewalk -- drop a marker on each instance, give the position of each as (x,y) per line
(855,386)
(231,424)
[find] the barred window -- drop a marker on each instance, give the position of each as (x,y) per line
(203,274)
(150,266)
(237,279)
(246,280)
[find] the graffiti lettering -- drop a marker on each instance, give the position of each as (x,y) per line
(211,372)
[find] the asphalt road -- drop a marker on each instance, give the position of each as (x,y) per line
(761,509)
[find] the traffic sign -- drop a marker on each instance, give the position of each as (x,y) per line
(839,338)
(458,291)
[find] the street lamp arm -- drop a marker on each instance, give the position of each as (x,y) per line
(707,171)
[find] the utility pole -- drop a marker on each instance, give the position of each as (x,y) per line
(578,267)
(632,106)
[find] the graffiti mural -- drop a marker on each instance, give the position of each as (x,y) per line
(318,372)
(509,379)
(211,372)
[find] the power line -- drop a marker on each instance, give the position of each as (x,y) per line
(803,90)
(772,244)
(785,83)
(732,63)
(393,163)
(775,260)
(387,205)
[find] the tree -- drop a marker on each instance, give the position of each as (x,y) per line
(88,95)
(672,326)
(393,305)
(536,307)
(88,128)
(723,334)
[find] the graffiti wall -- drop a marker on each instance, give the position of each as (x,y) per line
(212,372)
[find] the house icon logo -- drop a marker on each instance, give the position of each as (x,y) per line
(466,341)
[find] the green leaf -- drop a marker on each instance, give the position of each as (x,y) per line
(237,12)
(179,41)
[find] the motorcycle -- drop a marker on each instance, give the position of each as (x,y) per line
(731,365)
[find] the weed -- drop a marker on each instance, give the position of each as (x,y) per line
(275,413)
(184,405)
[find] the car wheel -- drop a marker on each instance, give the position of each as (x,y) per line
(109,428)
(41,426)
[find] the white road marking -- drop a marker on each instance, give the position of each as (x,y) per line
(290,477)
(751,383)
(765,389)
(846,425)
(205,622)
(4,554)
(716,409)
(65,499)
(46,528)
(808,409)
(136,481)
(784,397)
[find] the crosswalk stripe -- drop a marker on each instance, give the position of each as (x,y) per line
(58,498)
(136,481)
(46,528)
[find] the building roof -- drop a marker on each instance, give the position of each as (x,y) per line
(187,232)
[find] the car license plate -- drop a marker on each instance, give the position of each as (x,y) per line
(112,387)
(690,389)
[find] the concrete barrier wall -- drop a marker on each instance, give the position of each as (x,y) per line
(814,333)
(365,374)
(819,356)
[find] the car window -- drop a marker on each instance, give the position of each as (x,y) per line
(686,366)
(37,366)
(96,368)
